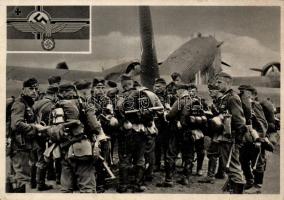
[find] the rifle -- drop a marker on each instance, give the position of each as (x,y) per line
(110,173)
(157,108)
(65,124)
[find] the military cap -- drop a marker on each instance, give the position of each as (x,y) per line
(31,82)
(160,80)
(54,79)
(52,89)
(112,84)
(175,75)
(82,84)
(97,82)
(224,75)
(182,86)
(212,86)
(125,77)
(66,87)
(247,87)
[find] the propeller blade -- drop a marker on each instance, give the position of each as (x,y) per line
(256,69)
(220,44)
(226,64)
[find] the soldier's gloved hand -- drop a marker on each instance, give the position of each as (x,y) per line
(56,132)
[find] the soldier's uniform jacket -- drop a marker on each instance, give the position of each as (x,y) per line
(171,91)
(83,110)
(259,122)
(230,103)
(141,99)
(268,110)
(43,108)
(214,108)
(180,110)
(22,120)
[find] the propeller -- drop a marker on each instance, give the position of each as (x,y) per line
(226,64)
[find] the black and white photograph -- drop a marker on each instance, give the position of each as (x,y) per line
(164,99)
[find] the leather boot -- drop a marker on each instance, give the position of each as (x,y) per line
(123,180)
(33,176)
(58,170)
(237,188)
(138,185)
(200,159)
(221,172)
(41,186)
(184,180)
(187,171)
(168,179)
(258,178)
(212,164)
(50,171)
(21,189)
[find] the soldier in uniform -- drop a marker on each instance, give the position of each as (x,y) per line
(54,166)
(199,143)
(104,113)
(137,124)
(171,87)
(24,133)
(213,152)
(254,148)
(113,94)
(79,147)
(234,128)
(162,125)
(180,111)
(42,110)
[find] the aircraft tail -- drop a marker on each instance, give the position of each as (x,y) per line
(149,64)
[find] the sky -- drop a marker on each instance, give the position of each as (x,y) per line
(251,36)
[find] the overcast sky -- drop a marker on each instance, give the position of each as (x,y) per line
(251,36)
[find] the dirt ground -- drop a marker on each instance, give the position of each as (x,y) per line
(271,181)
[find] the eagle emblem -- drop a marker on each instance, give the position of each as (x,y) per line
(48,29)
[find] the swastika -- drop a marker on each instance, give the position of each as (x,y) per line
(39,17)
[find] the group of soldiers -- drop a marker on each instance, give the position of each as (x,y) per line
(73,130)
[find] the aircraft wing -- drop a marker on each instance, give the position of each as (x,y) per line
(41,74)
